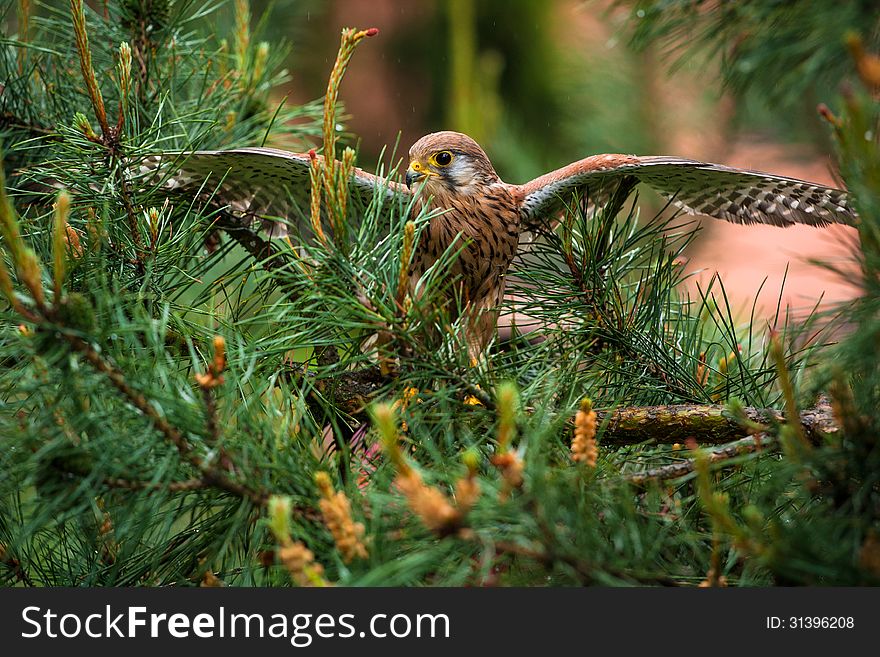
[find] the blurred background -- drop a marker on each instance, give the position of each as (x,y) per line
(540,84)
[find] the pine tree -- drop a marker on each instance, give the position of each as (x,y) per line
(188,401)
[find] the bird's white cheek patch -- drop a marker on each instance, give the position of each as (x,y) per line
(465,179)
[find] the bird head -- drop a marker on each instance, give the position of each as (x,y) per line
(449,162)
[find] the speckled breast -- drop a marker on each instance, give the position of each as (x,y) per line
(489,225)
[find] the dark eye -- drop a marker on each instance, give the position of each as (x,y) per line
(443,158)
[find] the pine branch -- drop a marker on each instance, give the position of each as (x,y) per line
(667,424)
(717,456)
(10,120)
(269,257)
(708,424)
(14,565)
(586,570)
(209,472)
(170,486)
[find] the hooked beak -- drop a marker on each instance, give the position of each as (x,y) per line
(415,173)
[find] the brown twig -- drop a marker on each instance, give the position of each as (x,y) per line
(211,412)
(171,486)
(585,570)
(131,218)
(15,566)
(351,389)
(9,120)
(260,249)
(716,456)
(210,474)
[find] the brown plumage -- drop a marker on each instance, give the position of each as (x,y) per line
(477,208)
(450,172)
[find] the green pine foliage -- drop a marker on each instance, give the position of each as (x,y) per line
(781,49)
(172,384)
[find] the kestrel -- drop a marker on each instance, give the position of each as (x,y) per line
(449,171)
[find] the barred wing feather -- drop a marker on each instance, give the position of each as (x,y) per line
(735,195)
(264,184)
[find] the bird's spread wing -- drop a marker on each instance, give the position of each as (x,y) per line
(264,184)
(736,195)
